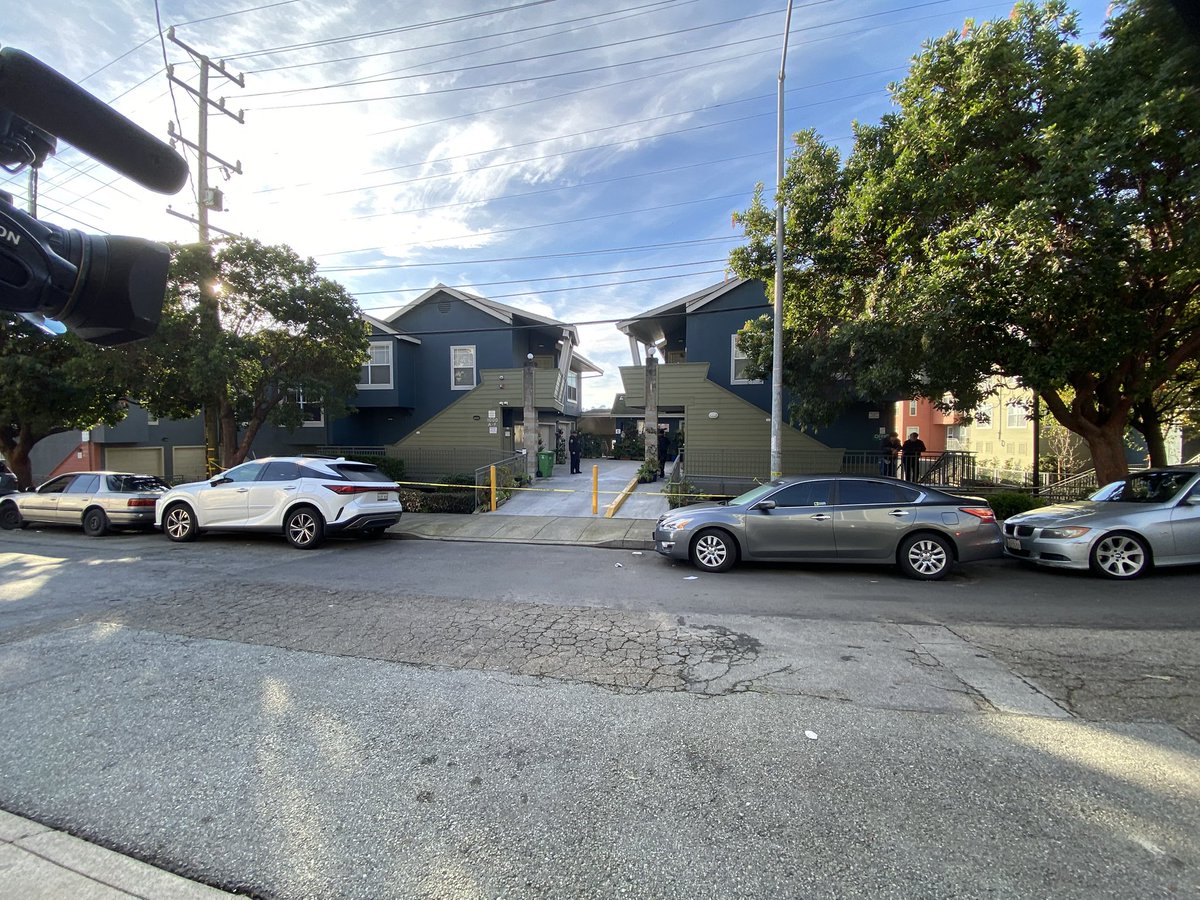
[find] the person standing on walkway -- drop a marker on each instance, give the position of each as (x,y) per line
(887,454)
(911,452)
(575,446)
(664,441)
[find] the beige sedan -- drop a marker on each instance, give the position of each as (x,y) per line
(97,501)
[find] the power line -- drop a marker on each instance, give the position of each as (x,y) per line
(583,287)
(643,248)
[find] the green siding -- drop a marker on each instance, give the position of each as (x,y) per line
(738,441)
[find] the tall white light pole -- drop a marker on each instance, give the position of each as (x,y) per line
(777,346)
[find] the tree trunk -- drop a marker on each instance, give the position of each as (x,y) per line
(16,446)
(17,458)
(1107,447)
(1148,422)
(1105,438)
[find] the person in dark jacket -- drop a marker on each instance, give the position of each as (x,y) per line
(575,447)
(887,454)
(911,452)
(663,441)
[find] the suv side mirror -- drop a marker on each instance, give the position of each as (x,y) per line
(764,505)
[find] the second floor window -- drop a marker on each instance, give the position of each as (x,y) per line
(1017,417)
(912,407)
(376,373)
(462,368)
(572,387)
(738,363)
(312,413)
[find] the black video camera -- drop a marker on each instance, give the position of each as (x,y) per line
(107,289)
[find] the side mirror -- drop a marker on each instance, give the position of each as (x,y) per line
(220,479)
(764,505)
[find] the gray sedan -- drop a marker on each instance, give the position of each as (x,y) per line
(97,501)
(834,518)
(1152,518)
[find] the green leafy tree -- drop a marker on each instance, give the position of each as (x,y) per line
(1027,212)
(247,331)
(50,384)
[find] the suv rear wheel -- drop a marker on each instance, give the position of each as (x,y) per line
(304,528)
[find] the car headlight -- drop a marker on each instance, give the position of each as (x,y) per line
(675,524)
(1071,531)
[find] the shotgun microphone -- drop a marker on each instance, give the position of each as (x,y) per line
(33,91)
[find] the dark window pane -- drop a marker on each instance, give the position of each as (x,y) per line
(808,493)
(862,493)
(136,484)
(84,484)
(247,472)
(361,472)
(281,471)
(57,486)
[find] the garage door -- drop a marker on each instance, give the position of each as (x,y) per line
(142,460)
(187,464)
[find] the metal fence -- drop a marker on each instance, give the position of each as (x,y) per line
(728,473)
(507,472)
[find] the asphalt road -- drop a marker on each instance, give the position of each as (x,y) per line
(427,719)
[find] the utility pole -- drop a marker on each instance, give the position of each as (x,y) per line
(207,199)
(777,334)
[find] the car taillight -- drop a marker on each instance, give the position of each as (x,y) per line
(360,488)
(141,501)
(983,513)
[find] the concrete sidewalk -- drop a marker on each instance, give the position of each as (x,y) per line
(597,531)
(39,863)
(558,510)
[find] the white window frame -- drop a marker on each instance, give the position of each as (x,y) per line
(474,368)
(573,387)
(912,407)
(307,423)
(734,356)
(1015,410)
(372,364)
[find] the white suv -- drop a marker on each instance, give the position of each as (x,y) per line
(305,497)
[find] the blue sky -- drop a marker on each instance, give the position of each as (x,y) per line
(579,160)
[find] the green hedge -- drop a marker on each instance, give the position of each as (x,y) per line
(1009,503)
(439,501)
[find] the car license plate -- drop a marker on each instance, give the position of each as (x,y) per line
(1012,543)
(382,496)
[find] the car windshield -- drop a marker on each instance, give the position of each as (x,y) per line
(1147,487)
(755,494)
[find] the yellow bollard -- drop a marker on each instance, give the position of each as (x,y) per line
(493,474)
(595,489)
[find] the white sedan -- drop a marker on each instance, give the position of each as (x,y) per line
(304,497)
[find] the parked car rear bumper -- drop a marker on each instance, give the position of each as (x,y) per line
(364,521)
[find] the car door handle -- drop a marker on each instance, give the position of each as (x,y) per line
(820,517)
(290,488)
(899,513)
(242,490)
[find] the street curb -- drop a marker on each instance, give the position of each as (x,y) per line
(611,544)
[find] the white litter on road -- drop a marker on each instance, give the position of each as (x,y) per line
(811,735)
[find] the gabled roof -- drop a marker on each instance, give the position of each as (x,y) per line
(585,364)
(501,311)
(684,305)
(388,329)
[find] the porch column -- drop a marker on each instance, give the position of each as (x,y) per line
(531,418)
(651,426)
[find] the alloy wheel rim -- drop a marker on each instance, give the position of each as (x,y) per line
(177,523)
(927,557)
(1120,556)
(711,551)
(302,529)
